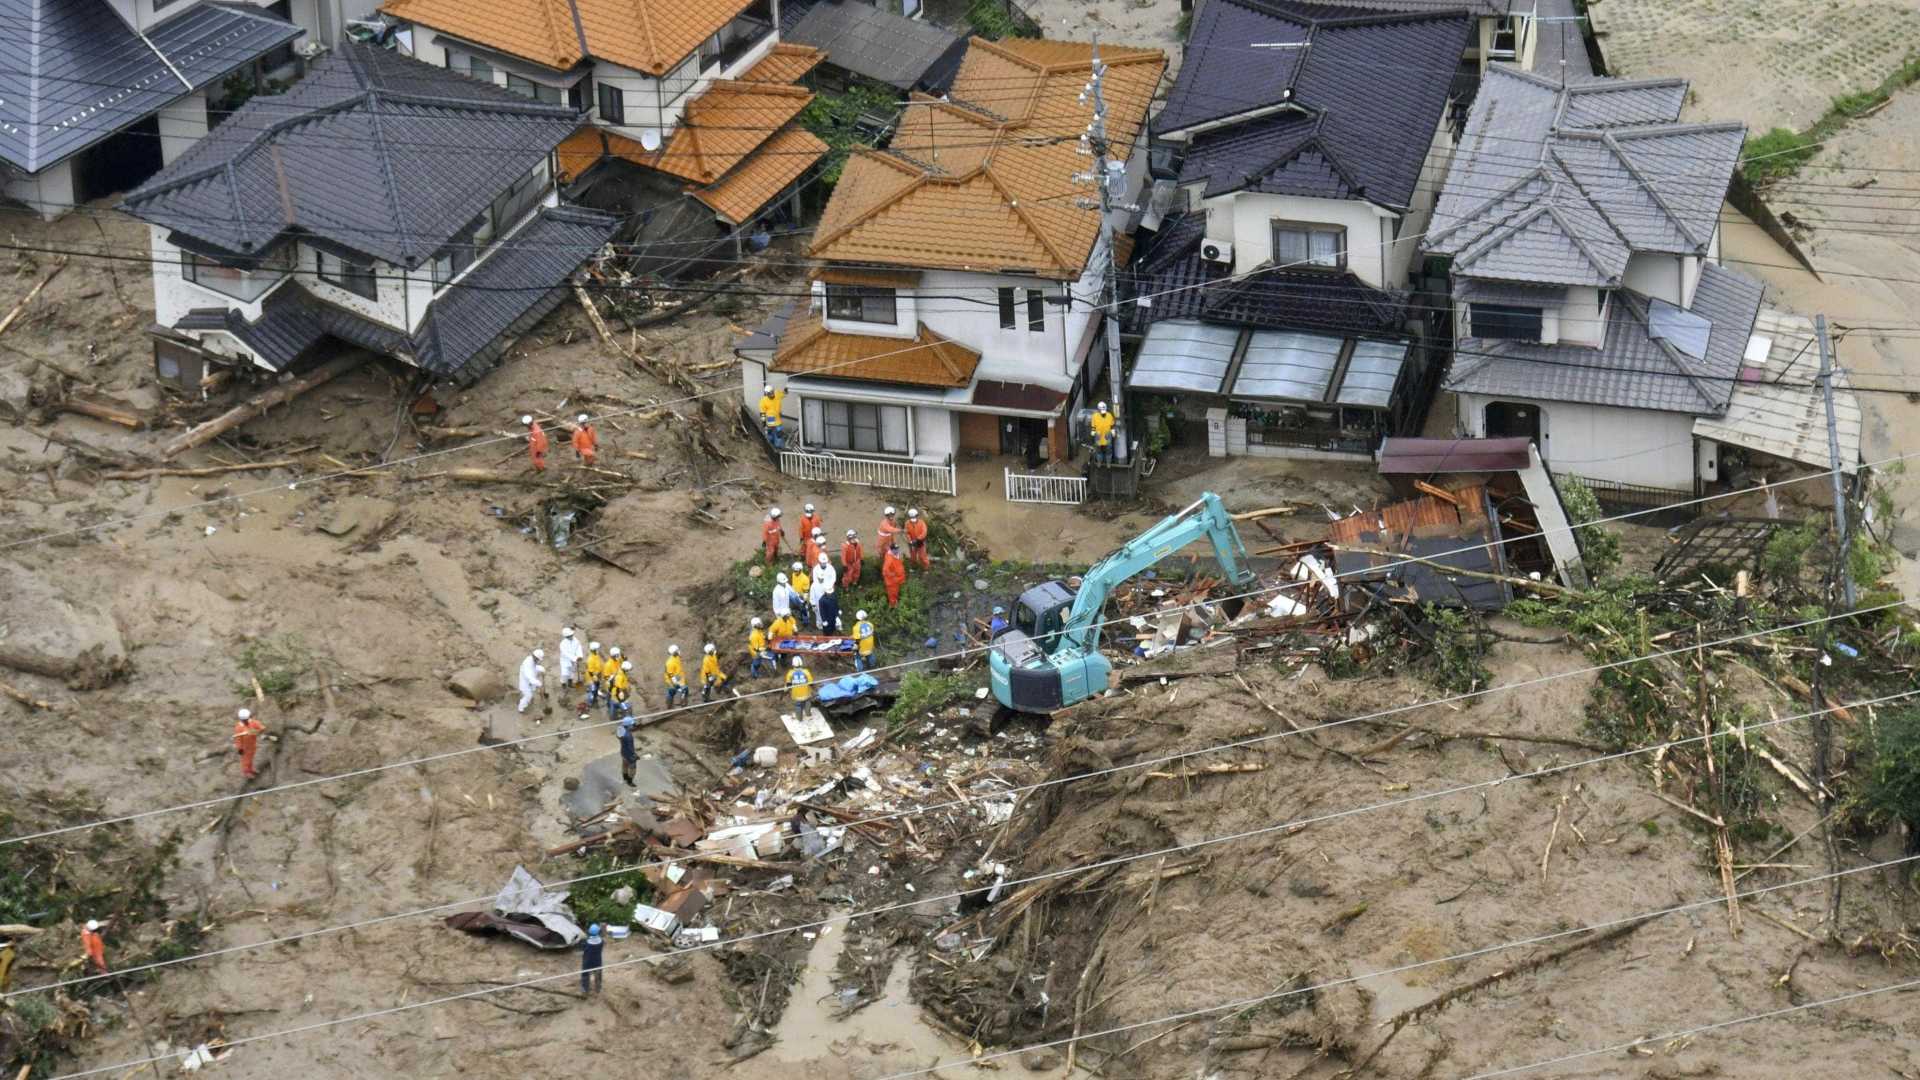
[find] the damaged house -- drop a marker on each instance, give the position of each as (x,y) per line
(380,203)
(690,108)
(1591,315)
(1298,155)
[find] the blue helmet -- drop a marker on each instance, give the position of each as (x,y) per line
(594,930)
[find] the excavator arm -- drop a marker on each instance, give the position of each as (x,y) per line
(1206,519)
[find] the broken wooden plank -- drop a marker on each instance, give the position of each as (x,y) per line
(31,294)
(101,408)
(260,403)
(212,470)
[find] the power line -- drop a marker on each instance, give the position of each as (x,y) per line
(922,901)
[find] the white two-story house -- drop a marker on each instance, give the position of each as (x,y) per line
(380,203)
(97,95)
(681,96)
(1303,145)
(1582,225)
(955,305)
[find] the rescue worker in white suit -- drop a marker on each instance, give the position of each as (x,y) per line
(571,654)
(531,672)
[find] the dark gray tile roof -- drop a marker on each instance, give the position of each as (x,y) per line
(1634,369)
(1182,285)
(1563,184)
(873,43)
(516,283)
(373,151)
(1361,97)
(72,72)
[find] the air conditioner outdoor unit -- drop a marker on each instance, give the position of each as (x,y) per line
(1218,251)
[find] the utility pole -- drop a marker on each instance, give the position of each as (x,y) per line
(1842,524)
(1111,178)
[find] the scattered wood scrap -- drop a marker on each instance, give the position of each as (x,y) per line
(32,293)
(261,402)
(211,470)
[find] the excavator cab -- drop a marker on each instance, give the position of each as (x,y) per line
(1041,611)
(1028,675)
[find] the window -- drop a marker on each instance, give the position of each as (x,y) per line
(862,303)
(1006,310)
(1506,36)
(864,429)
(710,51)
(613,104)
(580,94)
(231,281)
(352,275)
(519,198)
(1309,247)
(534,90)
(675,84)
(1503,322)
(1036,310)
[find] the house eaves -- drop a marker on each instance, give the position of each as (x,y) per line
(1186,133)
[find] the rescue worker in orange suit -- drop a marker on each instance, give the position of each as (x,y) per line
(246,741)
(810,554)
(773,536)
(893,574)
(95,946)
(811,522)
(850,559)
(586,441)
(537,445)
(889,529)
(917,539)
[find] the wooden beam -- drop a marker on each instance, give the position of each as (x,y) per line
(261,402)
(31,293)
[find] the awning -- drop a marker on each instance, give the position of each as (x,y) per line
(1372,373)
(1788,422)
(1184,356)
(1281,364)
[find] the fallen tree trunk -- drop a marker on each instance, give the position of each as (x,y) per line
(211,470)
(113,412)
(1482,575)
(31,293)
(260,403)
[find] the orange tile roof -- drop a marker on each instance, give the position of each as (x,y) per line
(785,63)
(725,124)
(647,35)
(809,348)
(539,30)
(983,182)
(578,152)
(764,174)
(862,275)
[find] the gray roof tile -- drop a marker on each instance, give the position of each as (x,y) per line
(877,44)
(372,150)
(72,72)
(1364,96)
(1604,155)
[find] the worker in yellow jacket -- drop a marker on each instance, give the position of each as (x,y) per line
(619,689)
(757,651)
(595,670)
(770,415)
(675,677)
(863,640)
(1102,424)
(710,674)
(801,584)
(783,627)
(800,682)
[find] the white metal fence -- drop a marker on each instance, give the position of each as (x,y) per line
(1038,488)
(868,472)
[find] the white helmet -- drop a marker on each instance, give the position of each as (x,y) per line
(626,665)
(539,654)
(888,512)
(799,567)
(797,662)
(757,623)
(1102,407)
(860,615)
(593,646)
(566,631)
(774,513)
(823,559)
(913,513)
(781,578)
(709,647)
(581,419)
(673,650)
(851,535)
(767,389)
(246,714)
(93,924)
(819,534)
(615,651)
(527,419)
(809,508)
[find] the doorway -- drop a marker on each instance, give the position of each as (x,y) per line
(1511,419)
(120,162)
(1025,439)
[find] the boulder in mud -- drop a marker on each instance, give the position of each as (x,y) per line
(47,633)
(1041,1059)
(479,684)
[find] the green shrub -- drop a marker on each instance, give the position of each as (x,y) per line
(593,901)
(1599,549)
(277,663)
(922,693)
(1777,154)
(1890,789)
(1785,556)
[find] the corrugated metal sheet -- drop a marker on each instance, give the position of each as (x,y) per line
(1421,457)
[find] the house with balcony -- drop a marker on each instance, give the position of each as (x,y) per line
(97,95)
(1504,31)
(1581,225)
(690,105)
(1297,156)
(954,307)
(381,203)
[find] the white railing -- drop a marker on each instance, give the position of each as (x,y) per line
(868,472)
(1039,488)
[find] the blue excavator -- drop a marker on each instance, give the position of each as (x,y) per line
(1049,658)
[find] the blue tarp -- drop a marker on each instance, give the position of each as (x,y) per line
(844,689)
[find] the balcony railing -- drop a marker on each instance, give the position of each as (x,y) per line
(868,472)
